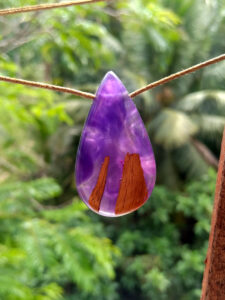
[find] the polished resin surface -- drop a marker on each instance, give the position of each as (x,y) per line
(115,165)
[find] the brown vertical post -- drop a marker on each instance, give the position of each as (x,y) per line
(213,285)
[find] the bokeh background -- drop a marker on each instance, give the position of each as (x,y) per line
(51,246)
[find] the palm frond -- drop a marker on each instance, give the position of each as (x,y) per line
(209,125)
(172,128)
(208,101)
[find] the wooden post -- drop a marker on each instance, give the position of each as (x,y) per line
(213,285)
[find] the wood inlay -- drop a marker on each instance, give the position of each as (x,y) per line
(133,191)
(97,193)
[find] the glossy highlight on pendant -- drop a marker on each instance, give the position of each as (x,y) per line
(115,166)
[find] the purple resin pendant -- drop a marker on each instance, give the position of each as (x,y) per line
(115,166)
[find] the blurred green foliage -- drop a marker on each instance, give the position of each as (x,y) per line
(51,246)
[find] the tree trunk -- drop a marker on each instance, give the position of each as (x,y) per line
(213,285)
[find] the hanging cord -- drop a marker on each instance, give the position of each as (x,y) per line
(132,95)
(17,10)
(164,80)
(178,74)
(47,86)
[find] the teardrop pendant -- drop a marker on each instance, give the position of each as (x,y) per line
(115,165)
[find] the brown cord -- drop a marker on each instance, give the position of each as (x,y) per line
(47,86)
(132,95)
(178,74)
(17,10)
(9,11)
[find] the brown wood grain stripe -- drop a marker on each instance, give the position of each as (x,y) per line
(97,193)
(133,191)
(213,285)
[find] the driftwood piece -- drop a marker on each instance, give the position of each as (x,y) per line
(213,285)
